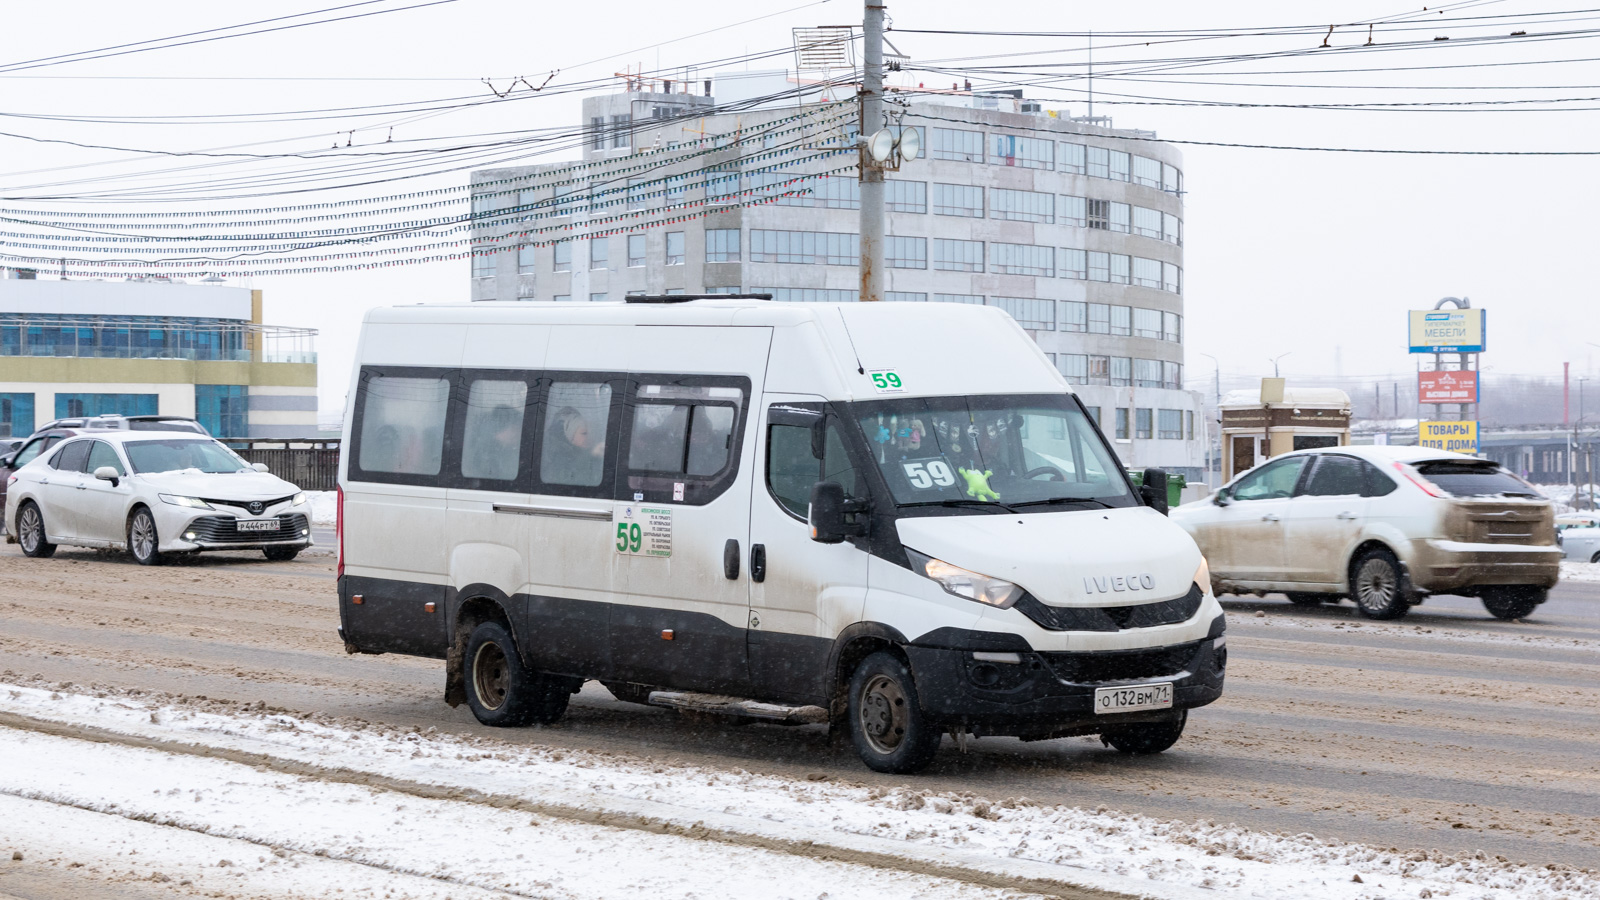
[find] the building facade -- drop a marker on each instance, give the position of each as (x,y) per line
(1074,229)
(85,348)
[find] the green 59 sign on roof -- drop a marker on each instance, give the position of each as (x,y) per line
(887,381)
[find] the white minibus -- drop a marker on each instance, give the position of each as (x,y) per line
(896,518)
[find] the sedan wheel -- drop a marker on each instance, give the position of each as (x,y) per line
(142,538)
(30,533)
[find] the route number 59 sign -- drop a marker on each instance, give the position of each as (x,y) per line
(887,381)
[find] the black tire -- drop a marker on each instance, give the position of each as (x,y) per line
(1302,598)
(1377,586)
(1512,601)
(31,534)
(1596,557)
(1148,738)
(890,731)
(143,539)
(281,554)
(502,692)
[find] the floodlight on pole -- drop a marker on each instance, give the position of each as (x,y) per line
(880,145)
(910,144)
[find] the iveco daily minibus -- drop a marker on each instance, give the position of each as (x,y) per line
(895,518)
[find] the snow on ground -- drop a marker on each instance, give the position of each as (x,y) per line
(324,507)
(1518,633)
(1580,571)
(383,826)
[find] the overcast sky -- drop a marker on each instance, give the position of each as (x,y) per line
(1315,254)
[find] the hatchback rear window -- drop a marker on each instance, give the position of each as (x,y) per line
(1474,479)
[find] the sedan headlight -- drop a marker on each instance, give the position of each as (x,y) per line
(179,500)
(964,583)
(299,499)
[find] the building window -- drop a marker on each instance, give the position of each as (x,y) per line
(808,295)
(636,251)
(1121,371)
(905,196)
(563,256)
(562,298)
(483,264)
(1172,278)
(1074,263)
(1094,413)
(1172,327)
(1147,272)
(905,297)
(1099,266)
(223,409)
(1188,421)
(820,248)
(103,404)
(722,184)
(1169,425)
(958,200)
(906,252)
(950,143)
(597,297)
(526,254)
(722,245)
(639,192)
(827,192)
(599,253)
(1120,164)
(1147,172)
(621,130)
(1070,158)
(1099,318)
(1120,269)
(729,289)
(1171,179)
(1171,229)
(1122,321)
(1022,152)
(1099,370)
(1022,206)
(1073,366)
(1074,316)
(1022,259)
(969,299)
(674,248)
(1147,373)
(597,132)
(1122,423)
(1099,165)
(676,187)
(1147,323)
(570,198)
(1172,375)
(1121,217)
(671,291)
(16,415)
(1147,222)
(1073,211)
(1032,314)
(1099,214)
(957,256)
(1141,426)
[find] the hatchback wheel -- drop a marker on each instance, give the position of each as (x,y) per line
(1377,587)
(143,540)
(1512,601)
(30,532)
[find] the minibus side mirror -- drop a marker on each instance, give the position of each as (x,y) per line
(832,515)
(1154,490)
(107,473)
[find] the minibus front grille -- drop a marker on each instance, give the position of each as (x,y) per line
(1112,618)
(223,530)
(1121,665)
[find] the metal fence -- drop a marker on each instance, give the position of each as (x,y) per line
(312,465)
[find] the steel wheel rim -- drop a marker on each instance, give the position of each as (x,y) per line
(31,528)
(491,677)
(883,714)
(144,536)
(1375,585)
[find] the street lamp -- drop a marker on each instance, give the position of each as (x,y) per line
(1275,362)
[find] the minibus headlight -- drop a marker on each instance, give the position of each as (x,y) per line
(985,589)
(1202,576)
(178,500)
(299,499)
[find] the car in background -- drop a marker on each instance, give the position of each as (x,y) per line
(1580,542)
(31,446)
(1383,525)
(9,444)
(117,422)
(155,494)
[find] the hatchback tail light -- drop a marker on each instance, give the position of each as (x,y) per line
(1416,478)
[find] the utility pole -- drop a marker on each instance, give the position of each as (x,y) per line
(872,119)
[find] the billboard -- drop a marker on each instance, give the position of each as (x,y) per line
(1461,437)
(1447,330)
(1447,387)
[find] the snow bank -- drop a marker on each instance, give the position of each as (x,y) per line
(1580,571)
(1100,848)
(324,507)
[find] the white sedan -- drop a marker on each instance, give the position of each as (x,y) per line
(153,493)
(1581,543)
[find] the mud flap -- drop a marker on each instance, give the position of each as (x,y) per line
(455,679)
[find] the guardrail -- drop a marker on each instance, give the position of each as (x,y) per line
(309,463)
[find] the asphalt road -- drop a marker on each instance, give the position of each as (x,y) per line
(1446,730)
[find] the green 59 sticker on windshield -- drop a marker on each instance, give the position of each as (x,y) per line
(887,381)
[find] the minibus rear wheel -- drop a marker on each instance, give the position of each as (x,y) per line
(502,692)
(887,724)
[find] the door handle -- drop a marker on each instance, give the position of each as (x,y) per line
(758,562)
(1345,515)
(1270,517)
(44,481)
(730,559)
(83,487)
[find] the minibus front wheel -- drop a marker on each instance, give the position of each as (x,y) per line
(887,725)
(502,692)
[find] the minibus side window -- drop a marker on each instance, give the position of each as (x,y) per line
(836,465)
(402,425)
(577,415)
(791,469)
(491,447)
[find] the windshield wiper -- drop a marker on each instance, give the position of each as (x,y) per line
(962,502)
(1101,503)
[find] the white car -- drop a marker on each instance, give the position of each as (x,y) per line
(1383,525)
(154,493)
(1581,543)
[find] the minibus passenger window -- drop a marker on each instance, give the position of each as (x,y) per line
(492,445)
(402,425)
(791,469)
(575,434)
(658,438)
(709,436)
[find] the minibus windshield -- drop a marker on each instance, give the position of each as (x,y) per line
(1037,450)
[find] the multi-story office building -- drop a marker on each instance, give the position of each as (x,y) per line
(1073,228)
(85,348)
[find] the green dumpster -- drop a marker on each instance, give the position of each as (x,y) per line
(1175,484)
